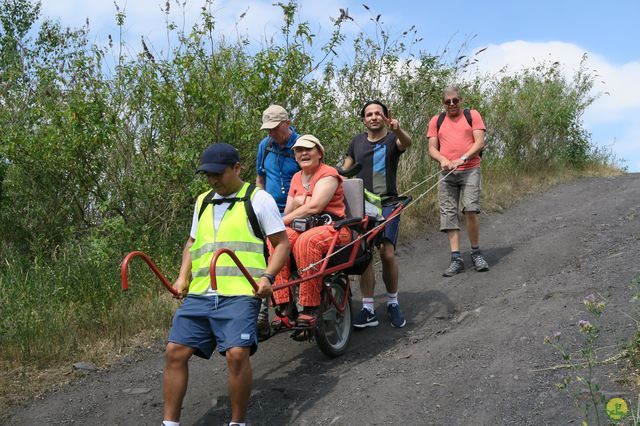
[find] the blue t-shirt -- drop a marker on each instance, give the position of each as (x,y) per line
(277,165)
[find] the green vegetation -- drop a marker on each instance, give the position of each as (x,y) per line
(581,368)
(97,154)
(579,380)
(632,348)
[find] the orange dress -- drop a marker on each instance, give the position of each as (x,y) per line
(310,246)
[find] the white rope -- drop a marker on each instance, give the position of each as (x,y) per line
(420,183)
(383,223)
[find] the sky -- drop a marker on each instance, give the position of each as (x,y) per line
(516,34)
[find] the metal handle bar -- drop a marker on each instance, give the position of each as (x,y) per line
(212,269)
(232,255)
(351,171)
(125,265)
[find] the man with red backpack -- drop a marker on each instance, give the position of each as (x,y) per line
(456,139)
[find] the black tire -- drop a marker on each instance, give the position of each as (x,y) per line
(333,331)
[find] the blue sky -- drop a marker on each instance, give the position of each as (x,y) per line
(517,34)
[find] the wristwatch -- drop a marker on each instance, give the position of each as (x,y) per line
(464,158)
(270,277)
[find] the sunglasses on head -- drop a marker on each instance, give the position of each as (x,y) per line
(453,101)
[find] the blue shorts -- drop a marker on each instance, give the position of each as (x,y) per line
(391,228)
(204,322)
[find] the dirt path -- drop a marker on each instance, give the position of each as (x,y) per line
(469,350)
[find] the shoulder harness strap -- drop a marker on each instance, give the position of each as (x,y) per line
(269,148)
(208,199)
(440,120)
(251,214)
(253,220)
(467,115)
(248,207)
(246,199)
(265,152)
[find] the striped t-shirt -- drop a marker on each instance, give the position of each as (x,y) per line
(379,161)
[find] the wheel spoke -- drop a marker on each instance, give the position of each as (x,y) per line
(339,333)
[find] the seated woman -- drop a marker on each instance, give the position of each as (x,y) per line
(315,189)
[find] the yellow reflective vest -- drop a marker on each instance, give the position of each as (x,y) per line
(235,233)
(374,199)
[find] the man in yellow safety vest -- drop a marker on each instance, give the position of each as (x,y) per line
(238,216)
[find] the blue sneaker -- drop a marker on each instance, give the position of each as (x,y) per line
(365,319)
(395,314)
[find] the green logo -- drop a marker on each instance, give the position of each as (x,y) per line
(616,408)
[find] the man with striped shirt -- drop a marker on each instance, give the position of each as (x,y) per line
(378,150)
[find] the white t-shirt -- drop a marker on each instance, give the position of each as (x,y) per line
(263,204)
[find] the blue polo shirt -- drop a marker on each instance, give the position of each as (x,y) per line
(277,165)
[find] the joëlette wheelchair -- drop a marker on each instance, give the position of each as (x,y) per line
(332,327)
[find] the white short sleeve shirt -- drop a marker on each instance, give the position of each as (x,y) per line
(264,206)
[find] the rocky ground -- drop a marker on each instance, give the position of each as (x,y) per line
(472,351)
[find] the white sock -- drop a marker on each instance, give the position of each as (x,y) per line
(367,303)
(392,298)
(237,424)
(170,423)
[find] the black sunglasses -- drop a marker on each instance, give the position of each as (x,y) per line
(454,101)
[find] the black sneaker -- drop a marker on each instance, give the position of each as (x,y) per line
(455,267)
(365,319)
(479,262)
(395,315)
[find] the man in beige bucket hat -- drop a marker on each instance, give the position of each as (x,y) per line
(275,165)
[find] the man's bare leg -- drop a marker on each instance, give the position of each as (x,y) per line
(176,377)
(240,381)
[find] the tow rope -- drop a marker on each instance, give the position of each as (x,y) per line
(383,223)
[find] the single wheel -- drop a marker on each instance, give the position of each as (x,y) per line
(333,331)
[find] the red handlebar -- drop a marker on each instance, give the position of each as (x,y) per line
(154,268)
(212,269)
(232,255)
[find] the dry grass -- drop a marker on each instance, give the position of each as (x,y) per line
(131,326)
(499,191)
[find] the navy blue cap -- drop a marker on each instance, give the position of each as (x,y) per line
(218,157)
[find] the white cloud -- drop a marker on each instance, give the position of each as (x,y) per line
(622,137)
(260,22)
(613,119)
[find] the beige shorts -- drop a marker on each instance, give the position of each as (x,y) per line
(458,186)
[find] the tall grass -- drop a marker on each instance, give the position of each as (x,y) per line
(53,310)
(56,313)
(70,310)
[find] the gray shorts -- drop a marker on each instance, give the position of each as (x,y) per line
(458,186)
